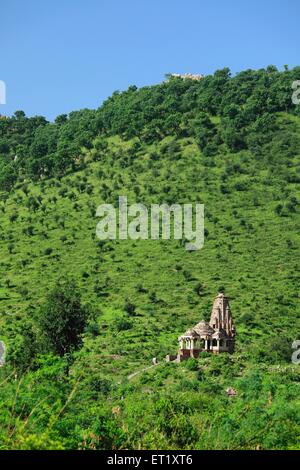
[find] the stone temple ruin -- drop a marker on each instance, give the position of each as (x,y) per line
(217,336)
(190,76)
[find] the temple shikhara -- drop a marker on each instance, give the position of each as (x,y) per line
(216,336)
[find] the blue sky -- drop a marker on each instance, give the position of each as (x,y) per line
(59,56)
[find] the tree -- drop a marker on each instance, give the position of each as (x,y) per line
(130,309)
(63,318)
(206,134)
(61,119)
(8,176)
(25,348)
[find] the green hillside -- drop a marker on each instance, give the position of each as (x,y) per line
(230,143)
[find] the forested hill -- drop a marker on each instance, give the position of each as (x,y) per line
(79,315)
(244,105)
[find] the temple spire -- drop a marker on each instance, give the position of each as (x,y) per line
(221,317)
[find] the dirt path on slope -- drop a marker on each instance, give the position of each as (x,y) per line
(143,370)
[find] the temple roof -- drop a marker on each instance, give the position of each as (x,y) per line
(220,325)
(203,328)
(191,333)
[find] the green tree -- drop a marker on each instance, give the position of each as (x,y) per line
(63,318)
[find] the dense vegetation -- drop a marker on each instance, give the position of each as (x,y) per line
(80,315)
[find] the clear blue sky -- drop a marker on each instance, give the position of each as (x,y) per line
(63,55)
